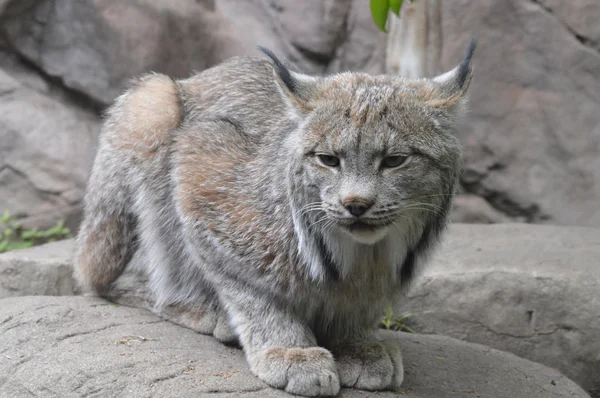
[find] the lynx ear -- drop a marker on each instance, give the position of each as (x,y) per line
(453,85)
(297,89)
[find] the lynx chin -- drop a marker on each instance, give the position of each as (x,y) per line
(277,210)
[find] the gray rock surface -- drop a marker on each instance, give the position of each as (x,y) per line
(86,347)
(531,140)
(581,20)
(42,270)
(473,209)
(93,47)
(46,150)
(529,290)
(532,137)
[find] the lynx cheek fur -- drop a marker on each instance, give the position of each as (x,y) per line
(278,209)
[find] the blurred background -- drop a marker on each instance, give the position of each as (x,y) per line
(531,139)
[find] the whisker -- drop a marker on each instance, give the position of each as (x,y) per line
(320,220)
(424,204)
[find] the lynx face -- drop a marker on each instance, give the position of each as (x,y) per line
(372,165)
(374,157)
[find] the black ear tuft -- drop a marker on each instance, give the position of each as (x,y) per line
(464,69)
(283,72)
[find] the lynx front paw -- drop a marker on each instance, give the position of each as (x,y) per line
(370,365)
(302,371)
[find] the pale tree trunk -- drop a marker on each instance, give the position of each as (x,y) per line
(414,40)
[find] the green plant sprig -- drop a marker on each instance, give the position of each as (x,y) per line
(14,237)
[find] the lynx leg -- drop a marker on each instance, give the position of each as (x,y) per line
(280,349)
(204,318)
(106,243)
(138,124)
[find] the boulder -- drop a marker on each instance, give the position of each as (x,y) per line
(526,289)
(473,209)
(42,270)
(581,20)
(92,46)
(82,346)
(89,50)
(47,147)
(530,290)
(532,136)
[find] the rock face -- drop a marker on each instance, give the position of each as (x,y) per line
(46,150)
(531,141)
(81,346)
(529,290)
(473,209)
(43,270)
(93,47)
(532,137)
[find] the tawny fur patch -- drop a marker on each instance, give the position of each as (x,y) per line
(101,255)
(300,355)
(151,110)
(275,353)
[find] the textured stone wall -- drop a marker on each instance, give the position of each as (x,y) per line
(532,139)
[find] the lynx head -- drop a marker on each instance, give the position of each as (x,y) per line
(375,158)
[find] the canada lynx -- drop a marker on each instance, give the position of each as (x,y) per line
(277,209)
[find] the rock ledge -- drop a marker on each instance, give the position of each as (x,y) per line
(87,347)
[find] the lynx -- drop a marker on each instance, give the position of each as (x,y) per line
(276,209)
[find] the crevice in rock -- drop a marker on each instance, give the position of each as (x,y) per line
(55,83)
(165,378)
(585,41)
(235,391)
(93,392)
(70,335)
(318,58)
(25,177)
(555,329)
(503,203)
(471,183)
(58,88)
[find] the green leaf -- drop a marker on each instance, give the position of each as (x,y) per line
(395,6)
(379,11)
(3,246)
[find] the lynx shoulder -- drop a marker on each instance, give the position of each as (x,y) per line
(281,210)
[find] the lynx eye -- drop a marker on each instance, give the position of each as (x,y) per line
(391,162)
(329,161)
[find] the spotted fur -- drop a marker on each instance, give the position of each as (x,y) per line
(218,180)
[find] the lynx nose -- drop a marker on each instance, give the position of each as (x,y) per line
(357,208)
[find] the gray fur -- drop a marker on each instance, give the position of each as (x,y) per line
(217,179)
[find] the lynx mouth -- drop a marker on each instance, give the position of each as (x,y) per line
(364,232)
(360,226)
